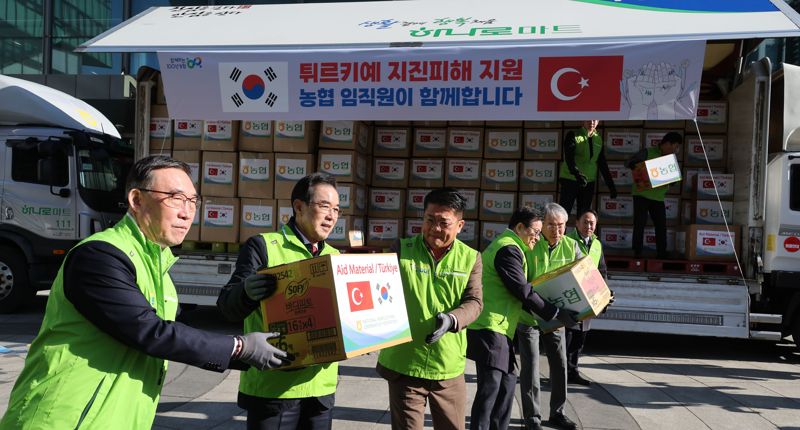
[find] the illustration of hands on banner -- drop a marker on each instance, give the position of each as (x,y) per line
(658,91)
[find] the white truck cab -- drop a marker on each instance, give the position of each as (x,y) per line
(62,179)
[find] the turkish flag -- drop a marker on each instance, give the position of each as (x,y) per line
(580,84)
(360,296)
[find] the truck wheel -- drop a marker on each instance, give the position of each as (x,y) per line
(15,290)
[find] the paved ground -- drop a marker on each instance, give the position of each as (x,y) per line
(642,382)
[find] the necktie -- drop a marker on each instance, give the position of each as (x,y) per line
(314,249)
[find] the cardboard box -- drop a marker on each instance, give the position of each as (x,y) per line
(390,172)
(620,174)
(290,168)
(617,240)
(220,174)
(715,149)
(463,172)
(352,199)
(430,142)
(500,175)
(258,216)
(497,205)
(469,234)
(429,123)
(675,123)
(344,166)
(503,143)
(657,172)
(160,152)
(415,202)
(220,220)
(465,142)
(392,142)
(386,203)
(188,134)
(542,144)
(256,175)
(160,128)
(622,143)
(688,188)
(578,287)
(413,227)
(615,211)
(392,123)
(708,242)
(539,176)
(192,158)
(382,232)
(490,230)
(536,201)
(345,135)
(345,225)
(705,186)
(649,243)
(285,212)
(256,136)
(707,212)
(295,136)
(504,124)
(471,196)
(335,307)
(466,123)
(712,117)
(426,172)
(220,135)
(543,124)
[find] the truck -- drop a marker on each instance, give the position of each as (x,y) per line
(761,300)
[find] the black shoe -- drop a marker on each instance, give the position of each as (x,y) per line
(533,426)
(561,421)
(577,379)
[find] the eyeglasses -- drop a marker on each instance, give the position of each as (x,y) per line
(442,224)
(326,207)
(178,200)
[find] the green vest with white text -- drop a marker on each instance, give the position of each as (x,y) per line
(585,160)
(595,251)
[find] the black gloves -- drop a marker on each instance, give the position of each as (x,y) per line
(444,322)
(257,352)
(610,302)
(581,179)
(568,317)
(259,287)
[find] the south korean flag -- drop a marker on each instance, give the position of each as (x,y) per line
(254,87)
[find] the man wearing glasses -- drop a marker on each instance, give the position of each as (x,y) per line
(442,287)
(301,398)
(101,354)
(507,294)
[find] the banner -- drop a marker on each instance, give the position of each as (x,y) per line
(653,81)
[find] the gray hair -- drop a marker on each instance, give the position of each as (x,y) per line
(141,173)
(555,210)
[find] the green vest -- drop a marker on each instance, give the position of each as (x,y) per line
(429,288)
(501,310)
(658,193)
(76,375)
(585,161)
(312,381)
(541,261)
(594,252)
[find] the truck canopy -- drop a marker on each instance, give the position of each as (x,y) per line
(24,102)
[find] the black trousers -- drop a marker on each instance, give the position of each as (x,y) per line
(658,212)
(570,191)
(491,408)
(575,341)
(310,413)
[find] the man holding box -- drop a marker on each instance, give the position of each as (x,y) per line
(584,155)
(100,357)
(301,398)
(576,337)
(507,294)
(442,287)
(651,200)
(547,255)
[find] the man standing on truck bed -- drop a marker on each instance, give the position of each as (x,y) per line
(101,354)
(652,200)
(442,286)
(301,398)
(584,155)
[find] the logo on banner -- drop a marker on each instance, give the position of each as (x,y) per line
(580,84)
(254,87)
(384,293)
(360,296)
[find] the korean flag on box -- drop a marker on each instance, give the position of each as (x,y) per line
(254,87)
